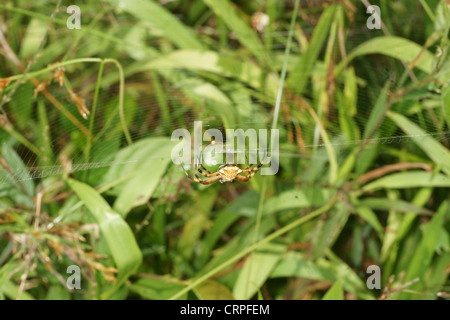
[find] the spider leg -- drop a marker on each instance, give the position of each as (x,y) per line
(209,181)
(249,164)
(255,169)
(200,165)
(207,175)
(204,169)
(197,178)
(212,174)
(251,173)
(243,178)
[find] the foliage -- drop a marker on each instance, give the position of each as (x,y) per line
(86,176)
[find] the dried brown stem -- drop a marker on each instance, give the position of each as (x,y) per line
(7,97)
(391,168)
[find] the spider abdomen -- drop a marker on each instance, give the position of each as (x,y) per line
(228,173)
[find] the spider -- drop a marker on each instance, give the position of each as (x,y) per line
(227,172)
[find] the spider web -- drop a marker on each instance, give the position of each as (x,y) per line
(196,95)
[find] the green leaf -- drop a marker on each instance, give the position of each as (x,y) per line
(226,11)
(196,217)
(147,161)
(294,264)
(294,199)
(347,102)
(390,204)
(398,226)
(395,47)
(44,137)
(204,93)
(368,215)
(11,291)
(256,270)
(260,296)
(328,230)
(22,102)
(33,37)
(303,69)
(121,242)
(16,179)
(196,60)
(213,290)
(57,293)
(445,100)
(437,274)
(157,289)
(347,276)
(221,222)
(420,199)
(393,223)
(240,242)
(244,205)
(351,91)
(423,255)
(436,151)
(377,114)
(335,292)
(410,179)
(366,158)
(157,16)
(136,38)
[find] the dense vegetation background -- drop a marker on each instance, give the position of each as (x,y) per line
(87,179)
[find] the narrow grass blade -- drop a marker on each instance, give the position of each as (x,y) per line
(203,60)
(445,97)
(13,172)
(407,180)
(436,151)
(335,292)
(328,230)
(159,17)
(213,290)
(368,215)
(225,10)
(121,242)
(157,288)
(148,160)
(260,264)
(395,47)
(423,255)
(393,204)
(302,71)
(378,113)
(196,217)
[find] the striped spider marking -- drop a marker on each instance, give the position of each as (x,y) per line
(226,173)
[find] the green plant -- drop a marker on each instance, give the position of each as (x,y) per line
(86,175)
